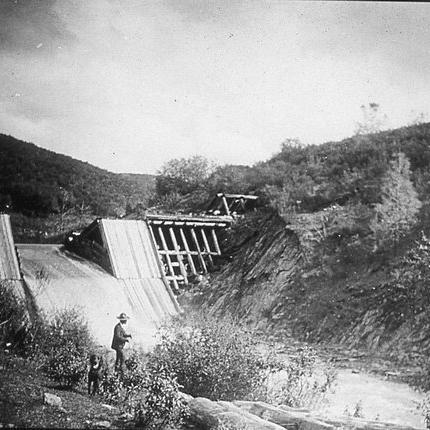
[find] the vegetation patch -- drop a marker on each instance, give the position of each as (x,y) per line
(222,360)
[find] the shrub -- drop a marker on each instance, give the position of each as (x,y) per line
(66,365)
(63,345)
(425,409)
(13,315)
(397,212)
(150,393)
(303,382)
(217,359)
(111,388)
(157,402)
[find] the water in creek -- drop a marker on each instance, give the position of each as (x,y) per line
(375,398)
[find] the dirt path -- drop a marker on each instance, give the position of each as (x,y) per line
(377,398)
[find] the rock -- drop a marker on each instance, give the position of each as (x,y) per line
(52,400)
(102,424)
(282,417)
(109,407)
(392,374)
(305,420)
(208,414)
(126,416)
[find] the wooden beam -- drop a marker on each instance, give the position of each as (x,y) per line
(157,252)
(170,252)
(188,252)
(201,259)
(169,261)
(215,240)
(190,223)
(208,249)
(227,209)
(243,203)
(178,255)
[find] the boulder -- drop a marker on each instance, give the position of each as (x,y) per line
(303,419)
(208,415)
(102,424)
(52,400)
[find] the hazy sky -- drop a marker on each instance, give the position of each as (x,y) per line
(128,84)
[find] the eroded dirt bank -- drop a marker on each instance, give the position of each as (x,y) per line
(267,283)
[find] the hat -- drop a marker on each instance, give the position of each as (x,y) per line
(123,316)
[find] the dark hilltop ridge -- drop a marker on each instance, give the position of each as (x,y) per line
(49,193)
(34,181)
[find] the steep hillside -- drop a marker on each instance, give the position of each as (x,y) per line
(38,182)
(269,284)
(344,254)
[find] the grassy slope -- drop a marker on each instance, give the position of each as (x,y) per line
(21,400)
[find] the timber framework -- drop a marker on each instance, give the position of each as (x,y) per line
(182,246)
(186,246)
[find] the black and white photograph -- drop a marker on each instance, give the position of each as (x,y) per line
(214,214)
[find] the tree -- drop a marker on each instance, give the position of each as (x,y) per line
(183,175)
(397,212)
(373,121)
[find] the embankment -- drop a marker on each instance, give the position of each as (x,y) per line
(267,283)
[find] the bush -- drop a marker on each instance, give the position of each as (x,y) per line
(63,346)
(217,359)
(303,382)
(425,409)
(13,316)
(149,392)
(157,402)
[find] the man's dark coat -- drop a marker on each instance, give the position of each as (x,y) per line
(119,337)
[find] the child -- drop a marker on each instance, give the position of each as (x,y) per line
(94,374)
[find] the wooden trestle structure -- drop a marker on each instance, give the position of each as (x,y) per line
(186,245)
(231,204)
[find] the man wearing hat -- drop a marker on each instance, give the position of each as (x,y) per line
(120,337)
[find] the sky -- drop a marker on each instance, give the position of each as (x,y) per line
(130,84)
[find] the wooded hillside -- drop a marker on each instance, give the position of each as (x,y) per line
(344,254)
(38,182)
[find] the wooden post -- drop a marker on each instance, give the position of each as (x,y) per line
(215,239)
(227,209)
(196,242)
(187,249)
(159,259)
(243,203)
(169,261)
(205,241)
(178,255)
